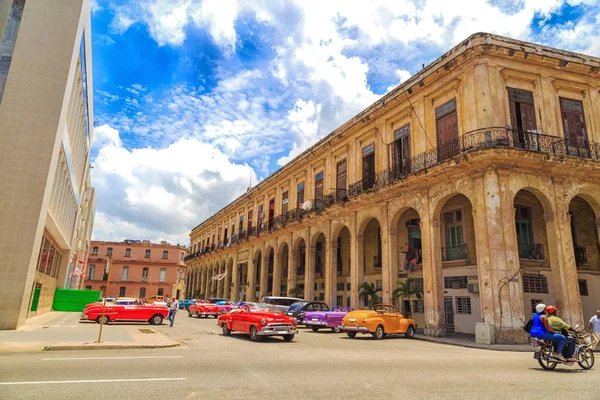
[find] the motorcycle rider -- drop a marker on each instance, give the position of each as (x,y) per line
(559,325)
(542,330)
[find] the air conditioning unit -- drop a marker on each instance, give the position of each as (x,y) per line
(473,287)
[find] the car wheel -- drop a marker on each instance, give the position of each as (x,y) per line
(379,333)
(254,336)
(315,328)
(226,330)
(102,320)
(410,333)
(156,319)
(351,335)
(216,316)
(288,338)
(189,314)
(336,330)
(200,315)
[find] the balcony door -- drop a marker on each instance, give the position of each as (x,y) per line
(271,212)
(319,187)
(368,167)
(340,180)
(522,117)
(574,126)
(447,130)
(401,151)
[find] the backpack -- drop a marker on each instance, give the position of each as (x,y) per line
(527,327)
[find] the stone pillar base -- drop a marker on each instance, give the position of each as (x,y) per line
(435,330)
(512,336)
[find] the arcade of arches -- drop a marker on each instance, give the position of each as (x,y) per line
(485,249)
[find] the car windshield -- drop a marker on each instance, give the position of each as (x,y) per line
(296,306)
(262,307)
(385,309)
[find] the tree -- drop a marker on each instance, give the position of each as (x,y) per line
(406,289)
(295,292)
(369,293)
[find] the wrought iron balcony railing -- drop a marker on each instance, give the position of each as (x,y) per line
(580,256)
(455,253)
(531,251)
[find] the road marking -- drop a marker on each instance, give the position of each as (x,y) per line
(94,381)
(105,358)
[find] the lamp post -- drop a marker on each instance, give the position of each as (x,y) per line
(108,268)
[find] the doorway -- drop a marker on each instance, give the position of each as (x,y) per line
(449,312)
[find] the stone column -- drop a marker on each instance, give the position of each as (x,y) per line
(277,272)
(251,283)
(207,282)
(228,281)
(330,272)
(393,259)
(387,282)
(235,279)
(356,277)
(309,274)
(292,270)
(264,275)
(220,282)
(433,280)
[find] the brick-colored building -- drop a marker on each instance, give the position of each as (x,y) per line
(485,165)
(139,269)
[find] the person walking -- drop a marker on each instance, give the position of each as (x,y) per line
(173,307)
(594,325)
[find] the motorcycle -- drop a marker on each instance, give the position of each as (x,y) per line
(543,351)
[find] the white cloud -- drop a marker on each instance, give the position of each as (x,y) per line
(160,194)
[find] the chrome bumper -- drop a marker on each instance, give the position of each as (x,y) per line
(208,313)
(278,330)
(315,323)
(354,329)
(83,318)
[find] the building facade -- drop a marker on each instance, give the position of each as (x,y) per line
(484,168)
(47,203)
(139,269)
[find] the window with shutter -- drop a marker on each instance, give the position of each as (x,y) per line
(319,186)
(447,130)
(574,124)
(368,167)
(401,152)
(340,180)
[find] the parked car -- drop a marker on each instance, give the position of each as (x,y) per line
(257,321)
(202,310)
(298,309)
(215,300)
(124,312)
(185,304)
(282,303)
(152,299)
(226,306)
(379,322)
(331,319)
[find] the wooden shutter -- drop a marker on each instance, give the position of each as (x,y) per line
(573,122)
(447,129)
(528,117)
(249,221)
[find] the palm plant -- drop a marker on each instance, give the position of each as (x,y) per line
(406,289)
(369,293)
(295,292)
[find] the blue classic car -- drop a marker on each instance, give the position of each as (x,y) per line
(185,304)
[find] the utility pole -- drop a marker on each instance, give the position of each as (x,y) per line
(108,268)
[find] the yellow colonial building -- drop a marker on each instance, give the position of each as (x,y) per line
(483,169)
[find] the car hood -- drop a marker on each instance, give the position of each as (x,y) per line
(270,316)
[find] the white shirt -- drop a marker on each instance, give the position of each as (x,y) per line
(595,321)
(174,305)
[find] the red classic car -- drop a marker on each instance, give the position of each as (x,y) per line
(120,312)
(202,310)
(258,320)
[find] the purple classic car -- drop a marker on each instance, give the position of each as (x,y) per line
(326,319)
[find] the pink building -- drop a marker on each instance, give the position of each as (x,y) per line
(139,269)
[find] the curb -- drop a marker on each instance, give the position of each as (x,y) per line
(473,345)
(109,347)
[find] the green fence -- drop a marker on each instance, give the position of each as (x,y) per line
(73,300)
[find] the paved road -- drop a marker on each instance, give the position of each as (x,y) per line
(313,366)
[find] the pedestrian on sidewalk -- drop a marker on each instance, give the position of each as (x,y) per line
(173,307)
(594,325)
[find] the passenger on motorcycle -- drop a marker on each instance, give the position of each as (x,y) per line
(542,330)
(559,325)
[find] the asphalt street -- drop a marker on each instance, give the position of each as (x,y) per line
(319,365)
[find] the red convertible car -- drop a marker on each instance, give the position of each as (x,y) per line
(202,310)
(258,320)
(118,312)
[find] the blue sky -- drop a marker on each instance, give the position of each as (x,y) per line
(193,100)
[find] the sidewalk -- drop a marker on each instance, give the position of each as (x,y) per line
(63,331)
(464,340)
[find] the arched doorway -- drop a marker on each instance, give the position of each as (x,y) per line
(255,291)
(459,265)
(297,270)
(585,228)
(342,269)
(318,282)
(282,271)
(370,261)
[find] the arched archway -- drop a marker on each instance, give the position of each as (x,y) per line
(297,269)
(456,254)
(341,285)
(255,291)
(585,232)
(314,281)
(370,259)
(281,271)
(228,293)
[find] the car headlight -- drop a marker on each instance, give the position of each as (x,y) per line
(264,321)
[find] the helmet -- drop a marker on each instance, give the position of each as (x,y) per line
(540,308)
(551,309)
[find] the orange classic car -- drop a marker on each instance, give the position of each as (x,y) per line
(379,322)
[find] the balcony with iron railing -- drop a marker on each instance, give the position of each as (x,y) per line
(458,252)
(531,251)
